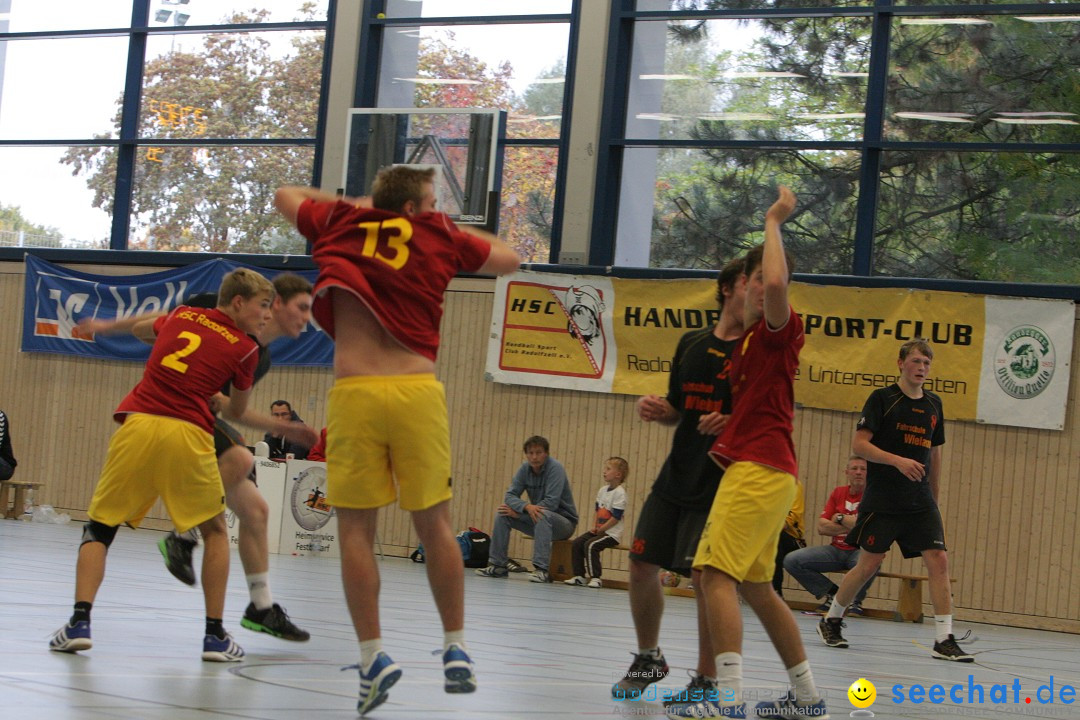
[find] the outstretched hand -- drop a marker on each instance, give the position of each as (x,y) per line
(783,207)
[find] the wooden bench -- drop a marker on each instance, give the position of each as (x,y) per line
(908,606)
(20,486)
(561,564)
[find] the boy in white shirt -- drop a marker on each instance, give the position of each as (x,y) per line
(607,526)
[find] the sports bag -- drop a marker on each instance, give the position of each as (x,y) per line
(474,547)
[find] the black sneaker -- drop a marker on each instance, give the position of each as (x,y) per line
(177,552)
(515,567)
(274,621)
(829,630)
(947,649)
(643,672)
(493,571)
(699,688)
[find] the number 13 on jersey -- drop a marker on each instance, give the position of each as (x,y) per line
(391,235)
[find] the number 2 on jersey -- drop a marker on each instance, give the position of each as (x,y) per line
(396,232)
(173,361)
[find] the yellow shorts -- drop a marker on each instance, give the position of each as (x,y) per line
(747,515)
(151,456)
(384,428)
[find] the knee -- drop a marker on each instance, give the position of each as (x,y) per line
(93,531)
(641,571)
(253,510)
(937,562)
(791,561)
(213,527)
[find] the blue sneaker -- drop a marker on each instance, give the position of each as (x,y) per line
(458,669)
(72,638)
(706,709)
(215,649)
(375,683)
(787,709)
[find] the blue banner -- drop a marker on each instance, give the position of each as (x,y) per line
(57,299)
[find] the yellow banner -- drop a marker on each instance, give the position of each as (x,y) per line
(853,336)
(1007,366)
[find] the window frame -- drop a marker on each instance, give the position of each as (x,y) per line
(613,140)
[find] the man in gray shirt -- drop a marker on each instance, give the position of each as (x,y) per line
(548,515)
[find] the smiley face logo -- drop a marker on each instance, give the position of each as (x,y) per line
(862,693)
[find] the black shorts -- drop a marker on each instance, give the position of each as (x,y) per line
(667,534)
(226,437)
(876,532)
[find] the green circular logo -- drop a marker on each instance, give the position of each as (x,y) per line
(1025,361)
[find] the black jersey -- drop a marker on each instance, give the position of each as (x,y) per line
(210,300)
(906,427)
(698,386)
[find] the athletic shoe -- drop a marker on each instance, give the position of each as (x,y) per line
(947,649)
(540,575)
(177,553)
(596,583)
(643,672)
(576,580)
(215,649)
(72,638)
(493,571)
(856,609)
(824,607)
(707,709)
(515,566)
(697,689)
(458,669)
(829,631)
(787,709)
(376,682)
(274,621)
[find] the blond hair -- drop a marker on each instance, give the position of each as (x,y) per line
(245,283)
(621,466)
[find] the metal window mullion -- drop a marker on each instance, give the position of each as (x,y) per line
(873,130)
(129,127)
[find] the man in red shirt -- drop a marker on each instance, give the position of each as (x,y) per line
(841,509)
(165,447)
(384,264)
(737,551)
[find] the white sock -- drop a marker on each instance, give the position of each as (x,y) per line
(729,678)
(259,589)
(455,637)
(368,650)
(803,681)
(653,652)
(942,627)
(836,610)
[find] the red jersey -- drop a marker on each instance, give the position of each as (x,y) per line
(196,352)
(763,398)
(841,501)
(396,265)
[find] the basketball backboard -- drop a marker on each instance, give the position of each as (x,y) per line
(464,144)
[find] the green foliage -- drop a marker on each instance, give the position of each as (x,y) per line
(12,223)
(217,198)
(945,213)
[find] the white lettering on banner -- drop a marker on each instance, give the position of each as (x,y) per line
(67,307)
(174,294)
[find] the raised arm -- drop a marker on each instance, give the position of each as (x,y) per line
(774,267)
(502,260)
(288,199)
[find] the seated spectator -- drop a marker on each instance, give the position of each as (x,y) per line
(279,446)
(607,525)
(808,565)
(548,515)
(7,458)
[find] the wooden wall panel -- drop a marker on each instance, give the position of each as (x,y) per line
(1010,496)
